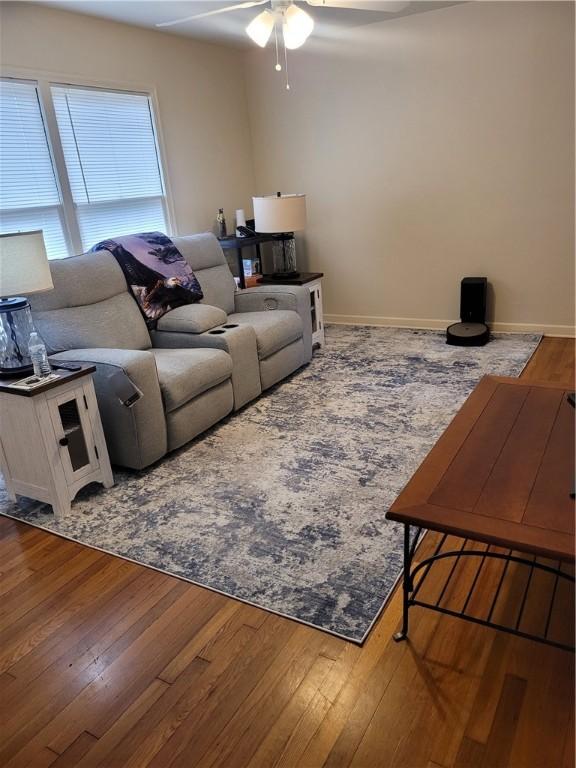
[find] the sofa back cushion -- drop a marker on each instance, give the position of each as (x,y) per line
(89,307)
(206,257)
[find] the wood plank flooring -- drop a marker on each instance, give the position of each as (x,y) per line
(106,663)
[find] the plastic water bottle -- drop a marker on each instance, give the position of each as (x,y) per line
(39,355)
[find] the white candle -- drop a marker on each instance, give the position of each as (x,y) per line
(240,219)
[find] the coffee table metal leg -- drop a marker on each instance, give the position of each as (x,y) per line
(407,585)
(413,579)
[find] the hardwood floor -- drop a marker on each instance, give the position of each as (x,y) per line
(106,663)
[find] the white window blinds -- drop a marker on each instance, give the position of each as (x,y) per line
(29,195)
(112,161)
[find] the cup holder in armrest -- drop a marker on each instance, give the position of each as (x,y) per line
(224,327)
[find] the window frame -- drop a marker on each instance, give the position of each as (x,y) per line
(44,81)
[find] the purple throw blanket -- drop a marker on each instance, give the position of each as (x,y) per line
(158,275)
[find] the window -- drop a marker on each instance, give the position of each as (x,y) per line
(29,194)
(109,182)
(110,152)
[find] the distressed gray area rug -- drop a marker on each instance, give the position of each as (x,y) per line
(283,504)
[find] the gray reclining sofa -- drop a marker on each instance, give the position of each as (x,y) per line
(203,360)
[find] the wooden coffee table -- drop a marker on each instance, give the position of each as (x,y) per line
(501,474)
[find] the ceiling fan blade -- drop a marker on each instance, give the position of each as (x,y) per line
(228,8)
(384,6)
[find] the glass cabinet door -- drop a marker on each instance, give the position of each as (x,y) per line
(69,414)
(313,311)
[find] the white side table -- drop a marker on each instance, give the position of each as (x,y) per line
(312,281)
(51,439)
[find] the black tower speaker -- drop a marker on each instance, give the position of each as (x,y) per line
(472,331)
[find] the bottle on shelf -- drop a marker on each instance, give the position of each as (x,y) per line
(39,356)
(221,223)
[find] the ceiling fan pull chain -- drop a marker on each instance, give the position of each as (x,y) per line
(278,66)
(286,66)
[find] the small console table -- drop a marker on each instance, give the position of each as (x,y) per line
(51,439)
(237,244)
(500,480)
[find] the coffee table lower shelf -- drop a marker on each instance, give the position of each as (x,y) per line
(415,578)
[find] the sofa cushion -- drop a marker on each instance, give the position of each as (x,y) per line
(115,323)
(207,259)
(192,318)
(218,287)
(81,280)
(90,306)
(186,373)
(274,330)
(201,251)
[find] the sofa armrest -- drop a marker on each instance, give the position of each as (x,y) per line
(135,436)
(271,297)
(192,318)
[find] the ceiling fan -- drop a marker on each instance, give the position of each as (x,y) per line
(295,23)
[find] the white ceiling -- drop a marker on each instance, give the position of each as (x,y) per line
(228,27)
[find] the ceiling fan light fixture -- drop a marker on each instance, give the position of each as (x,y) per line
(260,28)
(297,27)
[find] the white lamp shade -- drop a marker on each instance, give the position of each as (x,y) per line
(286,213)
(297,27)
(260,28)
(23,264)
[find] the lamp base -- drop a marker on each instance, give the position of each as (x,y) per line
(284,255)
(15,329)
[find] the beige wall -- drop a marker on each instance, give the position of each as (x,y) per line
(199,87)
(431,147)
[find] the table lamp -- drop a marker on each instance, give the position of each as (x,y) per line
(23,269)
(281,215)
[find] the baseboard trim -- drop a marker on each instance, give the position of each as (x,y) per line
(441,325)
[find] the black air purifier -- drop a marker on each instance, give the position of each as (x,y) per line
(472,331)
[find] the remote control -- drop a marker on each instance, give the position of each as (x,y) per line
(246,232)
